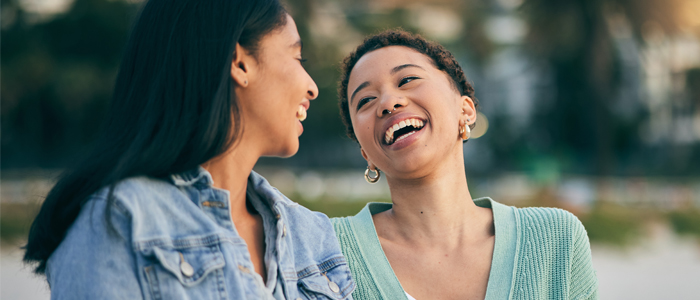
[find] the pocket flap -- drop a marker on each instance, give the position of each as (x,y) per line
(190,265)
(334,282)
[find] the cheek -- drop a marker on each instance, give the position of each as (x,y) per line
(363,125)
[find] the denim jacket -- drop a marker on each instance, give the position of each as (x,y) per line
(174,239)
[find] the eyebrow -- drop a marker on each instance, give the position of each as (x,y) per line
(393,71)
(362,86)
(401,67)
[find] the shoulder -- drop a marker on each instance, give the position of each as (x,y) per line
(552,229)
(292,210)
(142,208)
(145,197)
(311,231)
(547,219)
(142,191)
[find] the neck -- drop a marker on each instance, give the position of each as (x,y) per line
(436,208)
(230,172)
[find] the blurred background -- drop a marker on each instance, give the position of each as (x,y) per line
(588,105)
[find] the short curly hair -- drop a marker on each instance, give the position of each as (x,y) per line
(441,58)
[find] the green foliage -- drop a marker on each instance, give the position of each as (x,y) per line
(334,207)
(58,74)
(16,219)
(686,222)
(612,224)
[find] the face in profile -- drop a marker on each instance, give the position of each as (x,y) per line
(405,112)
(275,101)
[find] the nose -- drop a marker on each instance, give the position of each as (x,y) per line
(390,104)
(312,91)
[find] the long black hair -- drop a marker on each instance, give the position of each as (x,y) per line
(174,105)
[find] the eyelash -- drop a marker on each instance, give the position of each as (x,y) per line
(403,81)
(362,102)
(302,60)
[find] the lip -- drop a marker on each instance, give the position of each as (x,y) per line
(396,119)
(306,104)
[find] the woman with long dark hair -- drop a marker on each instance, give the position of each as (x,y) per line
(408,104)
(167,206)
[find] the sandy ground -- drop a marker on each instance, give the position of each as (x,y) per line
(17,282)
(664,267)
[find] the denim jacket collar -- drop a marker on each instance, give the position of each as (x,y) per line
(191,177)
(256,184)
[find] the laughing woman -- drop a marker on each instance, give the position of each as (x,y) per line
(167,205)
(408,104)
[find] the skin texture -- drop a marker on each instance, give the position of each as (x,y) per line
(270,88)
(439,243)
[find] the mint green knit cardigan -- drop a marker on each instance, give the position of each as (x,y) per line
(539,253)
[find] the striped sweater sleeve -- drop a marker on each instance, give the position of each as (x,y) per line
(584,283)
(366,287)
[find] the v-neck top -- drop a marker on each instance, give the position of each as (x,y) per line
(539,253)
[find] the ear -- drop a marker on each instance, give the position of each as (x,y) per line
(369,162)
(468,110)
(241,66)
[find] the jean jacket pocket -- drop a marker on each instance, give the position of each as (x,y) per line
(188,273)
(332,280)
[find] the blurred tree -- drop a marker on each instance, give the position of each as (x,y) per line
(574,38)
(58,73)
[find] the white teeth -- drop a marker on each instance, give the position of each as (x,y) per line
(404,136)
(389,134)
(301,113)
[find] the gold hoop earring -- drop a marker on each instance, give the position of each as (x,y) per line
(464,131)
(371,179)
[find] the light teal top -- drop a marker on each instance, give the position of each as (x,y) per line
(539,253)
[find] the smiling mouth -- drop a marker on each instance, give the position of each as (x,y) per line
(301,113)
(402,130)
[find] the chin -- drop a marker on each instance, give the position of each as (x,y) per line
(288,150)
(410,167)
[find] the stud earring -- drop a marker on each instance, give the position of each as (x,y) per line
(371,179)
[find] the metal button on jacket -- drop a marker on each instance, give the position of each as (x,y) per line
(334,287)
(185,267)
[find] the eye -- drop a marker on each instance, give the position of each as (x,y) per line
(406,80)
(364,101)
(301,60)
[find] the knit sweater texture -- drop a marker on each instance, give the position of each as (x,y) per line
(539,253)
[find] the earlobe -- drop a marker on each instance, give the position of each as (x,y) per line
(239,67)
(369,163)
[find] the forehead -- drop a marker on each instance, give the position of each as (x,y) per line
(383,60)
(282,38)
